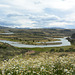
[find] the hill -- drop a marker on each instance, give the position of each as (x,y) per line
(2,27)
(73,36)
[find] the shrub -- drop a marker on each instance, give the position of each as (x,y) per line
(52,50)
(41,64)
(61,50)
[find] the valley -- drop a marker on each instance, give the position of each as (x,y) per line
(21,46)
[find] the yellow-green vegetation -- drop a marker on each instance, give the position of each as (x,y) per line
(41,64)
(55,49)
(7,51)
(1,31)
(32,41)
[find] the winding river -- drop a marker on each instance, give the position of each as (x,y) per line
(7,33)
(64,41)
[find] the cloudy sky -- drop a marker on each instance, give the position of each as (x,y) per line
(37,13)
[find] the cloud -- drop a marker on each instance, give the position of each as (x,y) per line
(70,17)
(4,6)
(59,24)
(24,23)
(39,5)
(37,13)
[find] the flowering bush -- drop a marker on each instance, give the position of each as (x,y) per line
(42,64)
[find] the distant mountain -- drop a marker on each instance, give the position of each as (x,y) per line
(2,27)
(42,28)
(73,36)
(53,28)
(22,28)
(56,28)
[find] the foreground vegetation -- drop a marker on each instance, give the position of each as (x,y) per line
(41,64)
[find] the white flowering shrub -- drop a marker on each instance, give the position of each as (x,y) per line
(42,64)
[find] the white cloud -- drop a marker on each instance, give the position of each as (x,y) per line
(59,4)
(24,23)
(33,12)
(70,17)
(39,5)
(4,6)
(59,24)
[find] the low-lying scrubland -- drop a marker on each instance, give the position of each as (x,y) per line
(7,51)
(41,64)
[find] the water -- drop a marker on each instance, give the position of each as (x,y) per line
(7,33)
(64,41)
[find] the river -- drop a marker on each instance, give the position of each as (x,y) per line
(64,41)
(7,33)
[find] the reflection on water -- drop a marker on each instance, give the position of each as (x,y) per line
(64,41)
(7,33)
